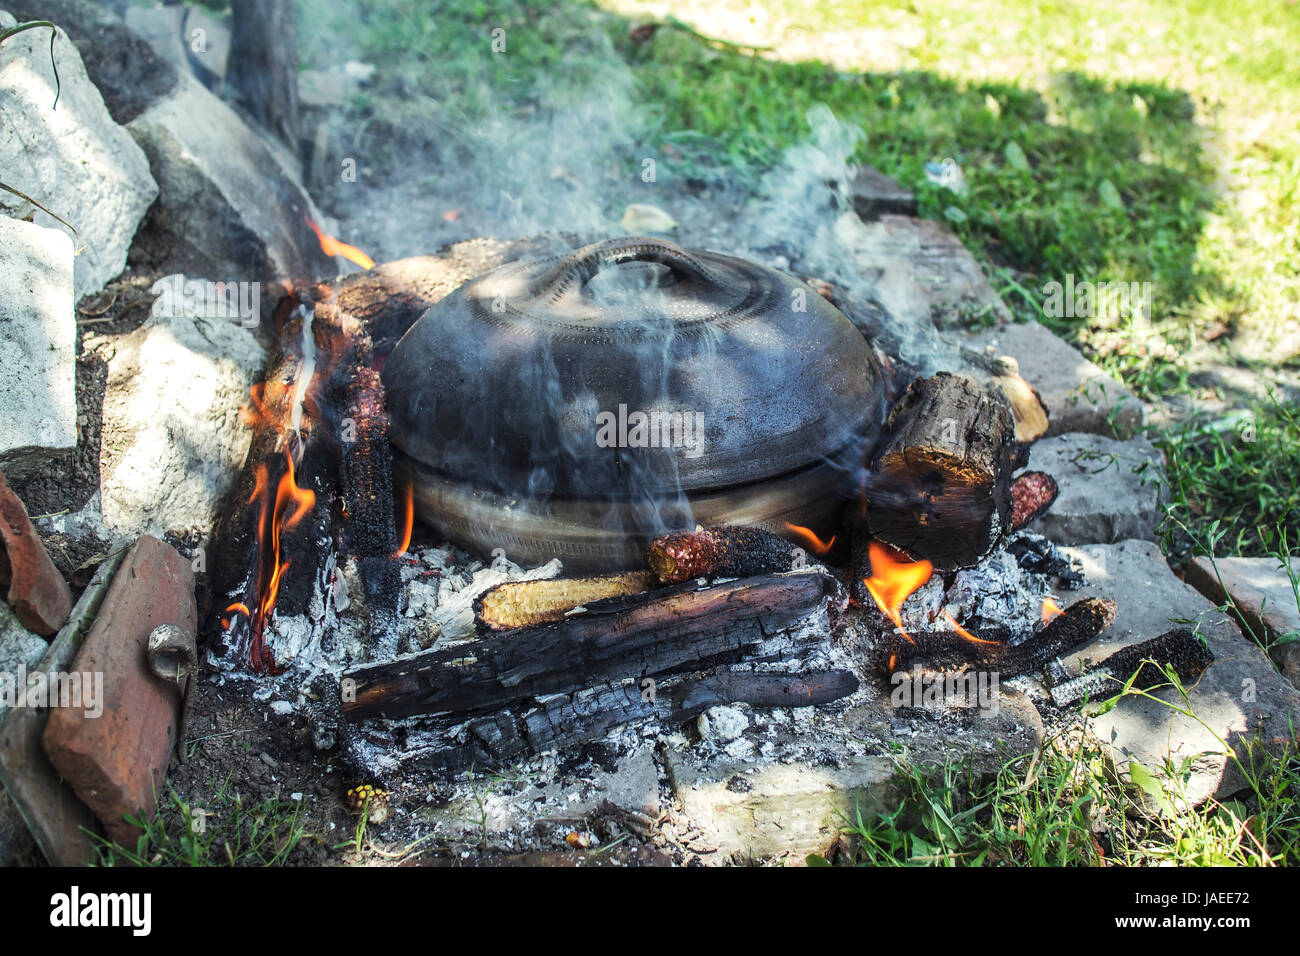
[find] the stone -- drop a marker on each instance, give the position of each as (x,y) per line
(38,401)
(187,37)
(1262,592)
(37,592)
(60,823)
(721,724)
(19,647)
(117,763)
(230,207)
(127,72)
(1240,697)
(1080,397)
(74,160)
(779,810)
(875,195)
(920,263)
(1110,490)
(172,439)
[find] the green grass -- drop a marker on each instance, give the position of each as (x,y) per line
(226,831)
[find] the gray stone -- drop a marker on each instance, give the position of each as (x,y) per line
(128,73)
(73,160)
(721,724)
(1262,592)
(38,402)
(875,195)
(186,36)
(779,810)
(230,208)
(172,438)
(1080,397)
(19,647)
(1110,490)
(1240,697)
(921,263)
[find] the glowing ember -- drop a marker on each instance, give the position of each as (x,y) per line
(1050,610)
(332,247)
(407,519)
(290,506)
(810,539)
(893,579)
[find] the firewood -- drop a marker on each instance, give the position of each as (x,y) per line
(647,634)
(522,603)
(946,651)
(940,487)
(1032,494)
(759,689)
(1179,648)
(721,551)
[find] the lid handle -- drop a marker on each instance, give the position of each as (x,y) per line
(577,270)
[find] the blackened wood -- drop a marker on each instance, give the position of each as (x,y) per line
(651,634)
(263,64)
(940,487)
(1178,648)
(943,651)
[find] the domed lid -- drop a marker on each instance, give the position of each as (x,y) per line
(631,368)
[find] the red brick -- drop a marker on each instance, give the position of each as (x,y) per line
(117,763)
(37,592)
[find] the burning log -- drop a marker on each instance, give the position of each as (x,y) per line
(1179,648)
(944,651)
(523,603)
(758,689)
(1032,494)
(649,634)
(941,483)
(722,551)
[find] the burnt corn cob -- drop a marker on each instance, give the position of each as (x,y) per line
(1179,648)
(721,551)
(522,603)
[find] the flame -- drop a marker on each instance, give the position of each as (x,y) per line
(963,632)
(290,505)
(810,539)
(332,247)
(408,519)
(893,579)
(1050,610)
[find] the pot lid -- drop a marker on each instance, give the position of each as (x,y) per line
(632,368)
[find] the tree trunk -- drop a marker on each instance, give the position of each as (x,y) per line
(264,64)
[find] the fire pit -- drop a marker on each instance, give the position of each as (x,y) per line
(574,407)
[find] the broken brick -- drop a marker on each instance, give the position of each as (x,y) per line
(116,762)
(37,592)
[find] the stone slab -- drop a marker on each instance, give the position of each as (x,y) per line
(1110,490)
(1080,397)
(38,401)
(875,195)
(74,160)
(1262,592)
(1240,697)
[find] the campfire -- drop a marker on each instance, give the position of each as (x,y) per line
(849,509)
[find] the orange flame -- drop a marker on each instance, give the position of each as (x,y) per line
(963,632)
(810,539)
(408,519)
(290,506)
(332,247)
(1050,610)
(893,579)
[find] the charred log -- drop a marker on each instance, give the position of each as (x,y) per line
(1144,663)
(723,551)
(946,651)
(651,634)
(941,483)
